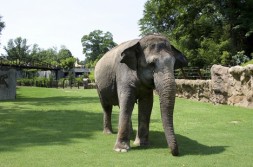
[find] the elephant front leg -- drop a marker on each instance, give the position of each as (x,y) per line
(126,107)
(145,105)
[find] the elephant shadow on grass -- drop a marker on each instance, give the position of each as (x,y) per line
(187,146)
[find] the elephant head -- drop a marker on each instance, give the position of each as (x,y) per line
(155,59)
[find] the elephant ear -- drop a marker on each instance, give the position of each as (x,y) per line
(130,53)
(181,60)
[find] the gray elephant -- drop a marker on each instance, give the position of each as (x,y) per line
(126,75)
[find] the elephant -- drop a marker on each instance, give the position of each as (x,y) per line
(128,74)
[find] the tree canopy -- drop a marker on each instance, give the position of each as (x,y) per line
(19,52)
(2,25)
(95,45)
(207,32)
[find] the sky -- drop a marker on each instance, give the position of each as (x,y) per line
(56,23)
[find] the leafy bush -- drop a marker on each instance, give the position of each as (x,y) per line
(239,58)
(25,82)
(247,63)
(37,81)
(91,76)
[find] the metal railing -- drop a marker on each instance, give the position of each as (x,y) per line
(193,73)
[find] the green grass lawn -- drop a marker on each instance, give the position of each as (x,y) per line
(63,127)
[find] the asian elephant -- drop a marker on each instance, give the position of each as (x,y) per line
(127,74)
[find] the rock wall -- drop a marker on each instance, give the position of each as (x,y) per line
(7,84)
(233,86)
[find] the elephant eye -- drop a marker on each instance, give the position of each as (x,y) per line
(152,47)
(161,46)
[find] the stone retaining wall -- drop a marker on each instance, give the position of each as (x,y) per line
(232,86)
(7,84)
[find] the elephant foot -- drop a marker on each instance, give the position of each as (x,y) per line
(107,131)
(121,147)
(174,150)
(139,142)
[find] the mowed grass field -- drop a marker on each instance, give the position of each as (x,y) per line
(63,127)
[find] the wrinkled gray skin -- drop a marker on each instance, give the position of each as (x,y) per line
(128,74)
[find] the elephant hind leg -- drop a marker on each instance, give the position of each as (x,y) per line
(107,119)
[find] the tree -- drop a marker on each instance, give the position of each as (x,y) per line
(48,56)
(238,15)
(17,50)
(34,52)
(64,53)
(2,25)
(68,63)
(95,44)
(65,58)
(206,31)
(62,58)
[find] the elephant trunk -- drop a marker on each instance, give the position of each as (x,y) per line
(166,87)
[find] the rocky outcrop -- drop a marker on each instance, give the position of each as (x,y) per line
(233,86)
(219,88)
(240,86)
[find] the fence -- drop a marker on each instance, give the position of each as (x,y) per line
(193,73)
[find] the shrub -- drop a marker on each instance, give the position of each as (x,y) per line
(239,58)
(249,62)
(91,76)
(25,82)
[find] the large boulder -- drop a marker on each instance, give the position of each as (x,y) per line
(219,84)
(240,91)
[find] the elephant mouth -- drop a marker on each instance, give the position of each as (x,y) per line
(147,82)
(151,84)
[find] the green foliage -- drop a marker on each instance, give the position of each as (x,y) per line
(225,58)
(63,127)
(71,78)
(64,53)
(62,82)
(37,81)
(71,81)
(67,63)
(20,52)
(2,25)
(249,62)
(207,32)
(91,64)
(17,50)
(239,58)
(92,76)
(95,45)
(79,80)
(25,82)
